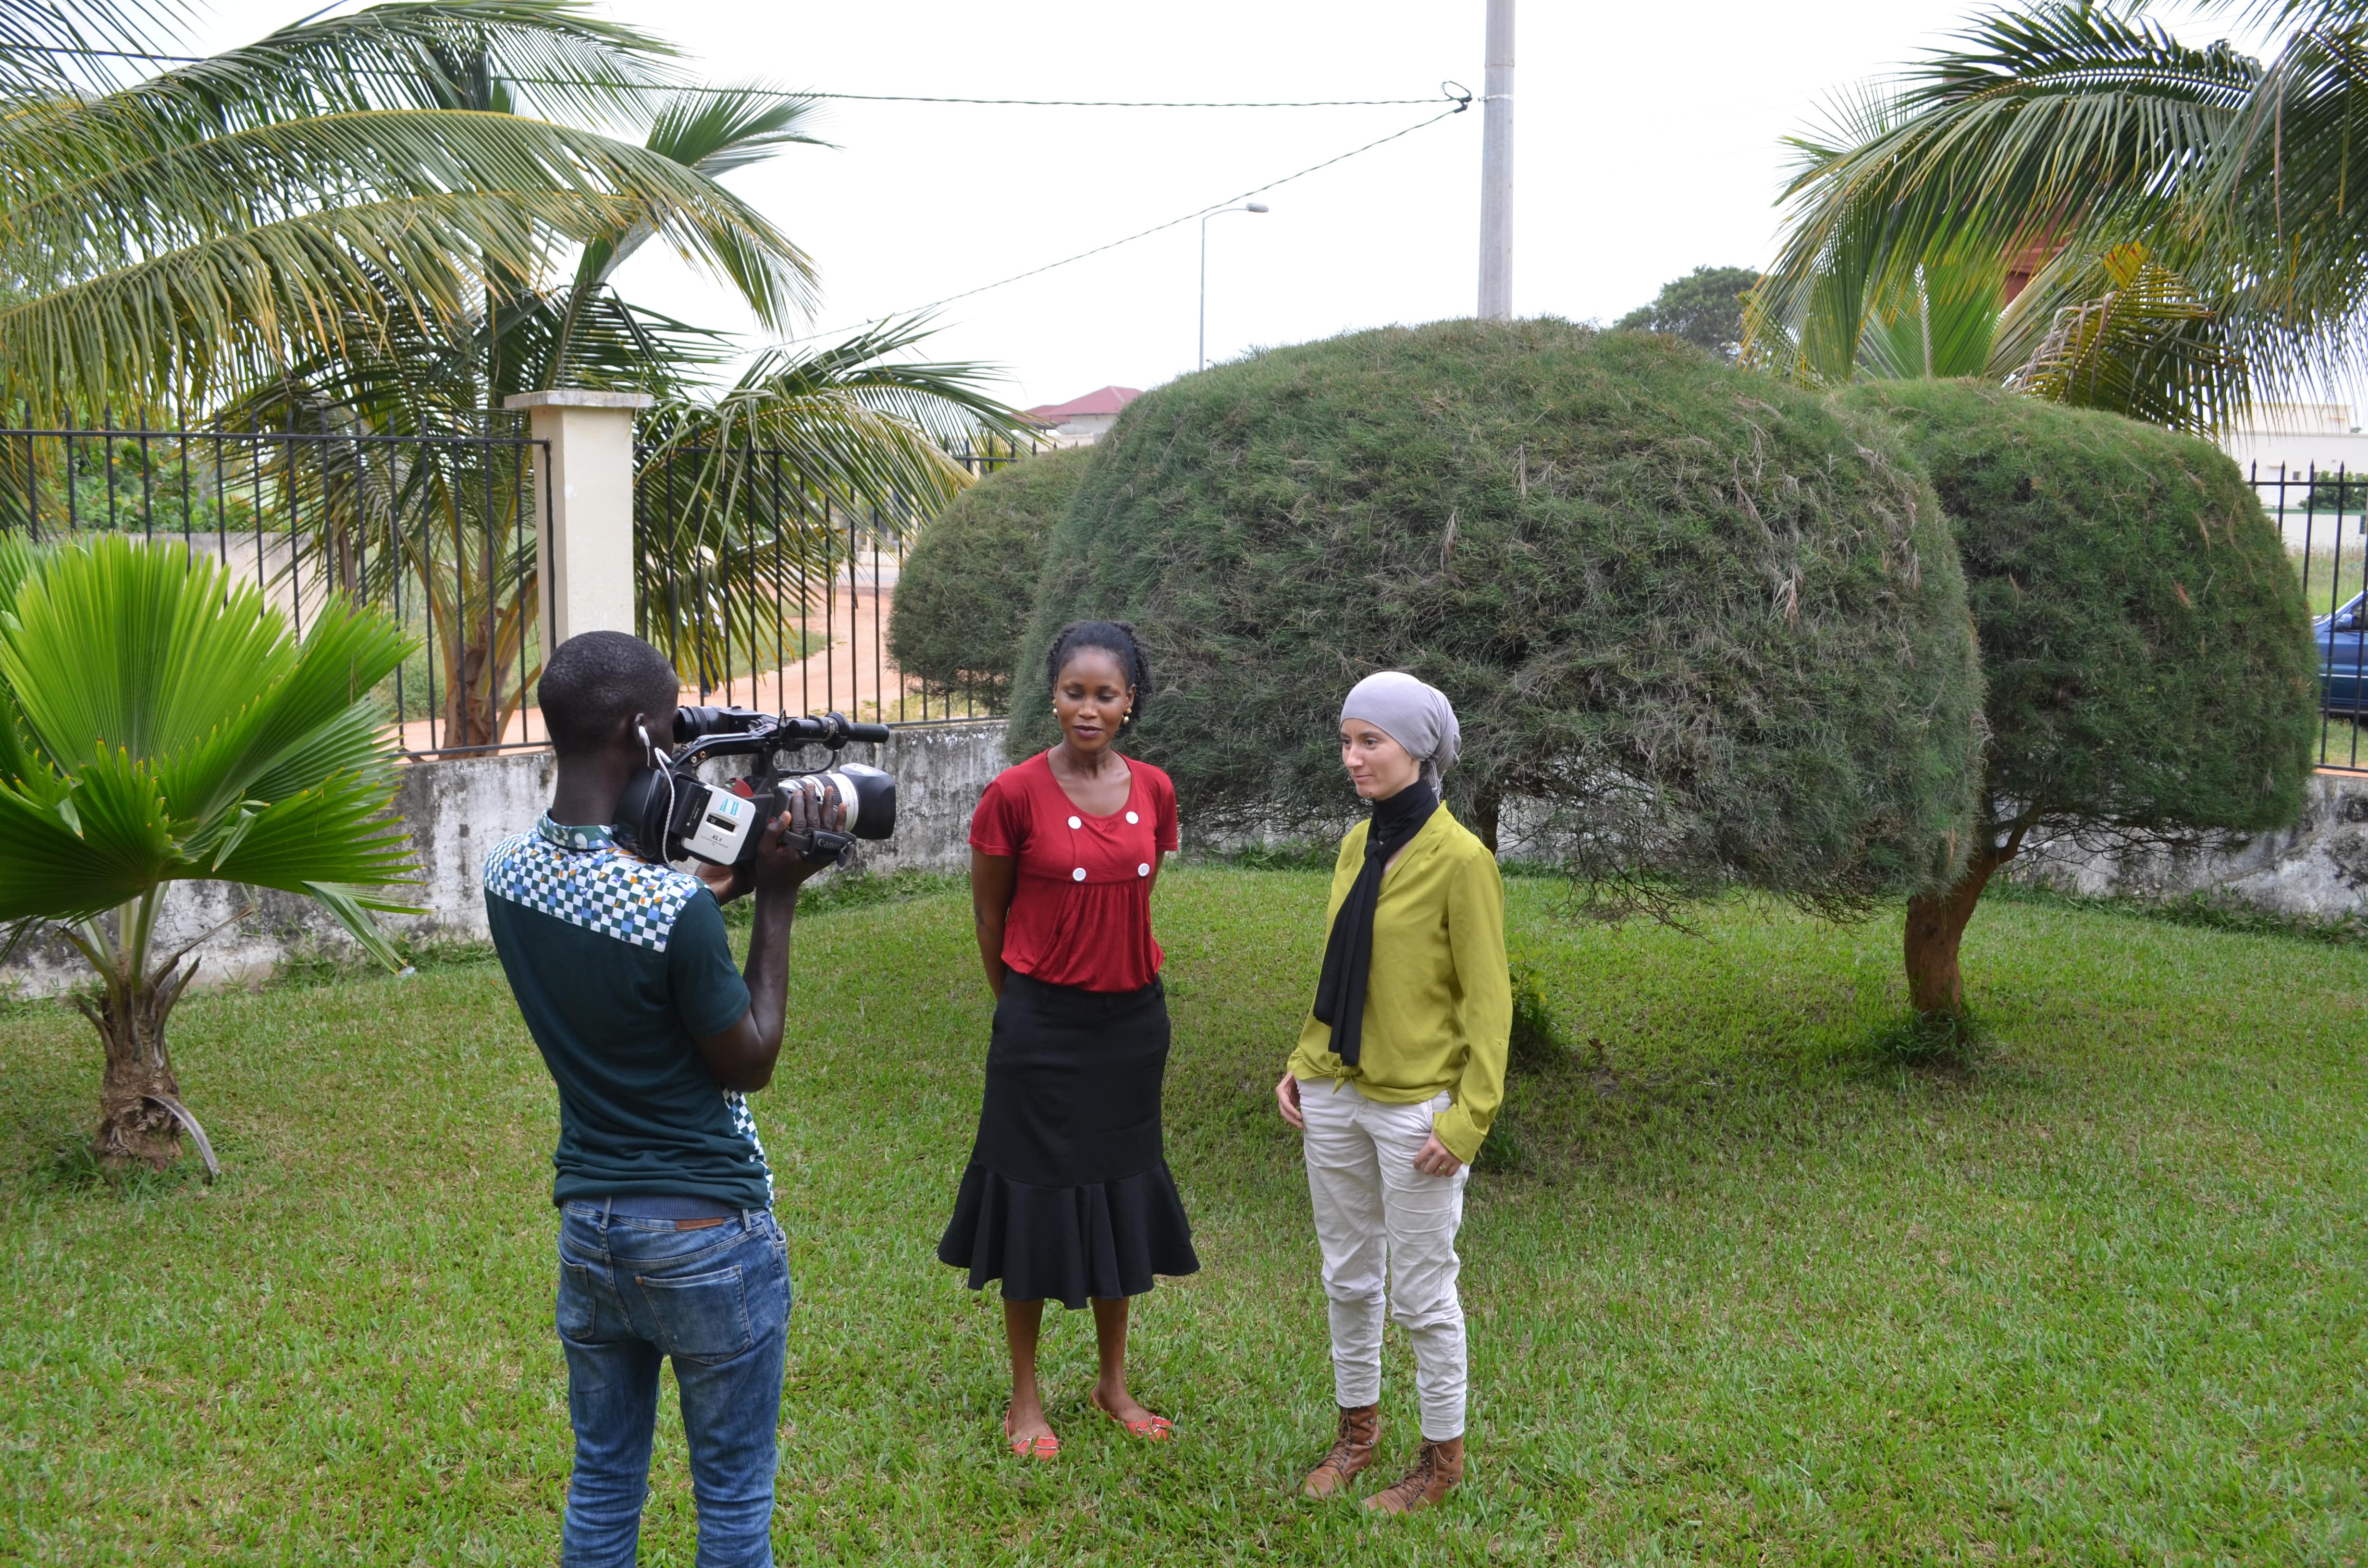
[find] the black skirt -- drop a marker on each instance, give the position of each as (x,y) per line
(1067,1196)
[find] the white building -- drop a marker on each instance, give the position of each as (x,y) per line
(2296,436)
(2304,443)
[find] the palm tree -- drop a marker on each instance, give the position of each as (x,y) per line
(857,424)
(157,724)
(2184,215)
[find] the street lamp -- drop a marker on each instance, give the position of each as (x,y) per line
(1244,206)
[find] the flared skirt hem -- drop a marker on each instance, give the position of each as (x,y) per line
(1070,1245)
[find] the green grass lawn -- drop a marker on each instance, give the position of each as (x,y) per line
(1754,1291)
(2343,742)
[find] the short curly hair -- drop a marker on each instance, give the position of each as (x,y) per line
(1115,638)
(595,681)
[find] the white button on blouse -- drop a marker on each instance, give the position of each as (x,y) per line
(1079,874)
(1143,869)
(1076,823)
(1132,818)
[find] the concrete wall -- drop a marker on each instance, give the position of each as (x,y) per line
(459,809)
(2318,868)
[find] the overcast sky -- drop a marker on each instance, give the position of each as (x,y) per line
(1648,137)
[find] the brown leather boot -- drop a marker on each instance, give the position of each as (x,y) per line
(1437,1471)
(1352,1451)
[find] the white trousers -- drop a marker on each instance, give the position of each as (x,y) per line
(1379,1219)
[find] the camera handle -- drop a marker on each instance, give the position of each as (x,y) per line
(822,846)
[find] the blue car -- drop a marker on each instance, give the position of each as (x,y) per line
(2341,687)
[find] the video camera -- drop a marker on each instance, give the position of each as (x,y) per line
(669,811)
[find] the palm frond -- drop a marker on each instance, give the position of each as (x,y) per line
(710,133)
(39,39)
(2147,347)
(1942,325)
(260,207)
(797,400)
(564,59)
(757,491)
(2042,123)
(2288,203)
(718,130)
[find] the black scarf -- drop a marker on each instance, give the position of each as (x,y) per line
(1348,951)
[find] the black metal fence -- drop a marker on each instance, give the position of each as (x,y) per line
(2323,515)
(769,592)
(439,531)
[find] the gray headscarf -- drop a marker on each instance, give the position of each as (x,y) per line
(1417,716)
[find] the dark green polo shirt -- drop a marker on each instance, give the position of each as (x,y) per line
(616,965)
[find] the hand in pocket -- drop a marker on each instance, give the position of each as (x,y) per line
(1435,1159)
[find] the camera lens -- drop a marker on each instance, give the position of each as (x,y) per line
(869,796)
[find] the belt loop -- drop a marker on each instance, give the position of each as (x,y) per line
(606,1204)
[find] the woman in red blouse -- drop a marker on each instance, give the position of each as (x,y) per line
(1067,1195)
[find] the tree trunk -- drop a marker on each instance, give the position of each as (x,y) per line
(1485,808)
(1935,927)
(468,712)
(134,1127)
(136,1124)
(140,1116)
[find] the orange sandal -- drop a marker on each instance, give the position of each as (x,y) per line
(1151,1429)
(1044,1447)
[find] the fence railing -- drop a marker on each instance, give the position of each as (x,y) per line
(2323,516)
(767,592)
(763,590)
(439,531)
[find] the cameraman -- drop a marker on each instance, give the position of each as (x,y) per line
(667,1244)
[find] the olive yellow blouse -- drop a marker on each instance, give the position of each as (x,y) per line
(1440,1005)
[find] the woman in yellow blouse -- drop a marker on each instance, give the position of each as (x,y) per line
(1399,1070)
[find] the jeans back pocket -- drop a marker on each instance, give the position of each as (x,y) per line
(702,1317)
(578,1308)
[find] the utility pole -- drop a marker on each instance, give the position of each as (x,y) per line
(1497,168)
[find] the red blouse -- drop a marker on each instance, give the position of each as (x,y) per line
(1081,912)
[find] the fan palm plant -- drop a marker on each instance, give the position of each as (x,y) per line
(158,723)
(2187,210)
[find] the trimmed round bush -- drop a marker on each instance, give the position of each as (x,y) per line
(2144,646)
(962,597)
(1715,626)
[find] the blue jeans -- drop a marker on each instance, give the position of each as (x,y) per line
(715,1296)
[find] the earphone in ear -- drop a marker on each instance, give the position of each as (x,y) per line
(647,805)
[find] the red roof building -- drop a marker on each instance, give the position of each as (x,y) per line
(1085,418)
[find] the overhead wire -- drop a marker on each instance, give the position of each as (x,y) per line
(1454,93)
(1454,90)
(1144,233)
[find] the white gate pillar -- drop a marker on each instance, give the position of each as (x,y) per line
(584,508)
